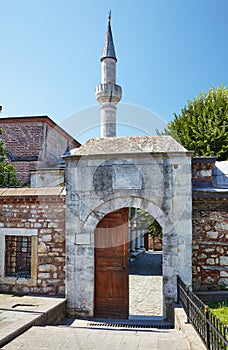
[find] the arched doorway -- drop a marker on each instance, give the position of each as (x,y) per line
(116,278)
(145,267)
(111,242)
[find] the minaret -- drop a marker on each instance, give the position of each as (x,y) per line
(108,94)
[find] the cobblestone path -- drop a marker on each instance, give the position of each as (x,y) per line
(145,285)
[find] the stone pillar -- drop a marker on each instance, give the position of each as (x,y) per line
(142,239)
(132,234)
(138,235)
(133,228)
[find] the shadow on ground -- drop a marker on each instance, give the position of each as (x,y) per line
(147,264)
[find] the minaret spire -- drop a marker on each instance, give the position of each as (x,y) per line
(108,93)
(109,49)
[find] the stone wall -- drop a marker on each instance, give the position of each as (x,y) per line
(104,175)
(202,171)
(41,215)
(47,177)
(210,237)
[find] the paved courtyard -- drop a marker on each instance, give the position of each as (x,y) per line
(145,285)
(88,338)
(145,301)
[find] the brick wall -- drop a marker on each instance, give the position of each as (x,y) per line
(202,171)
(34,142)
(23,139)
(23,170)
(45,215)
(210,241)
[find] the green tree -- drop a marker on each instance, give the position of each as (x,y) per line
(148,223)
(7,170)
(202,125)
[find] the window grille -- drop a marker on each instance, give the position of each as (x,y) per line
(18,256)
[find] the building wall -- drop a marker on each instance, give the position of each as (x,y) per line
(34,142)
(210,241)
(47,177)
(43,218)
(23,170)
(23,139)
(54,146)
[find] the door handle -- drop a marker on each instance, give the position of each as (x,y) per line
(122,268)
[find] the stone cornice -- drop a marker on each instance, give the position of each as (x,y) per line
(130,155)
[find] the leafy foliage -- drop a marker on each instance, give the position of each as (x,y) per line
(7,170)
(220,309)
(149,224)
(202,125)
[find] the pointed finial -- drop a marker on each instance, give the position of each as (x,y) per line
(109,50)
(109,16)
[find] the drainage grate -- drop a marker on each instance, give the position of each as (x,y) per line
(131,325)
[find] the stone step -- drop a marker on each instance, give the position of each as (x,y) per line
(18,314)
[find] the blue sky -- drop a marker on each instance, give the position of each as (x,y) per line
(168,51)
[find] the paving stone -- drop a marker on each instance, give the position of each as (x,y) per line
(145,274)
(48,338)
(145,285)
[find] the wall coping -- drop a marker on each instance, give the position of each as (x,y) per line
(32,192)
(203,159)
(210,192)
(161,155)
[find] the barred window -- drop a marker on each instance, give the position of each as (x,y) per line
(18,256)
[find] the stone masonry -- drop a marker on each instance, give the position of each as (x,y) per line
(41,215)
(210,237)
(210,225)
(107,174)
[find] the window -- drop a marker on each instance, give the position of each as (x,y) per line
(18,256)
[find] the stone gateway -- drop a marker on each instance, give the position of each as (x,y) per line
(162,168)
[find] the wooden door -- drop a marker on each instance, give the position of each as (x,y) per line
(111,266)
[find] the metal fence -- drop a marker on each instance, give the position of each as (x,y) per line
(213,332)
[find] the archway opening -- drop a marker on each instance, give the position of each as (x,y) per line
(128,278)
(145,266)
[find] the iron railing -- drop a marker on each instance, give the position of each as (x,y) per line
(212,331)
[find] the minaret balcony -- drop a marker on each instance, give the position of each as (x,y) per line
(108,93)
